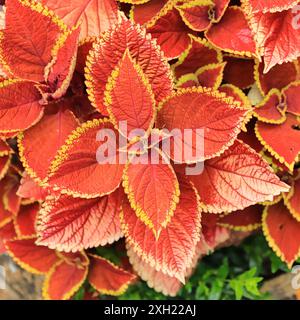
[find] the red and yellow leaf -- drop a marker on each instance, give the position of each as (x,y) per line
(232,34)
(277,78)
(292,200)
(276,37)
(271,109)
(31,257)
(292,98)
(129,97)
(195,15)
(26,43)
(77,161)
(172,252)
(26,219)
(63,281)
(274,138)
(282,232)
(237,179)
(199,54)
(217,116)
(142,49)
(19,105)
(148,11)
(152,190)
(245,220)
(69,224)
(96,16)
(59,72)
(107,278)
(171,33)
(39,145)
(211,75)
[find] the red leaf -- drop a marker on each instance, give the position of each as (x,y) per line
(59,72)
(129,97)
(199,54)
(147,12)
(276,37)
(97,16)
(237,179)
(7,232)
(31,257)
(26,219)
(152,191)
(274,139)
(211,76)
(292,200)
(232,34)
(282,232)
(63,280)
(254,6)
(277,78)
(271,110)
(29,189)
(145,52)
(39,145)
(108,278)
(171,33)
(239,72)
(76,162)
(28,38)
(5,158)
(219,116)
(172,252)
(195,15)
(19,105)
(292,98)
(5,215)
(69,224)
(243,220)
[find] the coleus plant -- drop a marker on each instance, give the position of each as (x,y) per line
(75,71)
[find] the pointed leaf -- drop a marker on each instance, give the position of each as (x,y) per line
(211,76)
(30,190)
(26,219)
(69,224)
(292,98)
(77,170)
(282,232)
(39,145)
(172,252)
(19,105)
(195,15)
(145,52)
(271,110)
(97,16)
(217,116)
(171,33)
(277,78)
(237,179)
(129,97)
(31,257)
(199,54)
(63,281)
(107,278)
(275,36)
(28,38)
(274,139)
(232,34)
(152,190)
